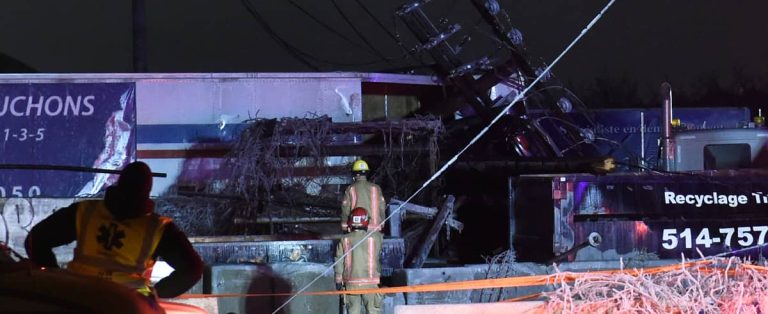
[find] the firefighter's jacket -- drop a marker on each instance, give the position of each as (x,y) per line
(365,194)
(117,250)
(361,267)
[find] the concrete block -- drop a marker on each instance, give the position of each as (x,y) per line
(412,277)
(391,301)
(312,251)
(190,306)
(529,307)
(392,255)
(198,288)
(271,279)
(499,271)
(309,251)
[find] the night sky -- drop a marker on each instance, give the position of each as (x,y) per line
(647,40)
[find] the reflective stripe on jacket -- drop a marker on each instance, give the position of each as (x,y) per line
(362,266)
(120,251)
(365,194)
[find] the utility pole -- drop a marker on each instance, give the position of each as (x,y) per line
(470,82)
(139,36)
(448,65)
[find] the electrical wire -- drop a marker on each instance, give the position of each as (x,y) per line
(333,30)
(296,53)
(300,55)
(395,36)
(354,28)
(68,168)
(603,139)
(453,159)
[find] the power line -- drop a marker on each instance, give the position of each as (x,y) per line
(378,22)
(352,25)
(302,56)
(439,172)
(296,53)
(328,27)
(394,36)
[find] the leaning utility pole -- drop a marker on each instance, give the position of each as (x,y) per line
(470,82)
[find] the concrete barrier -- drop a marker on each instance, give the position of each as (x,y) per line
(527,307)
(413,277)
(268,279)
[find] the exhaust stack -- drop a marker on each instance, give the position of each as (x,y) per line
(667,161)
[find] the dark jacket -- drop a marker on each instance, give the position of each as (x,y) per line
(60,229)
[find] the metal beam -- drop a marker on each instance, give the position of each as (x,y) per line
(286,220)
(427,212)
(423,247)
(69,168)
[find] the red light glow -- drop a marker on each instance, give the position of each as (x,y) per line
(641,229)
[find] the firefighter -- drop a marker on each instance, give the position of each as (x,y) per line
(361,268)
(366,194)
(119,238)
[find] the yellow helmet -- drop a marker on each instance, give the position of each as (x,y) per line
(360,166)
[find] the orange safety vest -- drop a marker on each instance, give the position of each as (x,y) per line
(117,250)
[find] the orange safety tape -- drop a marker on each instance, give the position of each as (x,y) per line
(524,298)
(535,280)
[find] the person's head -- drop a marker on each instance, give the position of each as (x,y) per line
(360,168)
(130,196)
(136,180)
(358,219)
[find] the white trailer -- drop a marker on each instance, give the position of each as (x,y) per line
(183,120)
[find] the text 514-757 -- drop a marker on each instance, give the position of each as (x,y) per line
(745,236)
(19,191)
(23,134)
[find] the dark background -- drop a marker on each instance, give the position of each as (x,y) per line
(713,52)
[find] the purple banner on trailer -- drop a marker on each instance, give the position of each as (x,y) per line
(65,124)
(632,134)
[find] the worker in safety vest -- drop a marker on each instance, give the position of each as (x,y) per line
(366,194)
(119,238)
(360,268)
